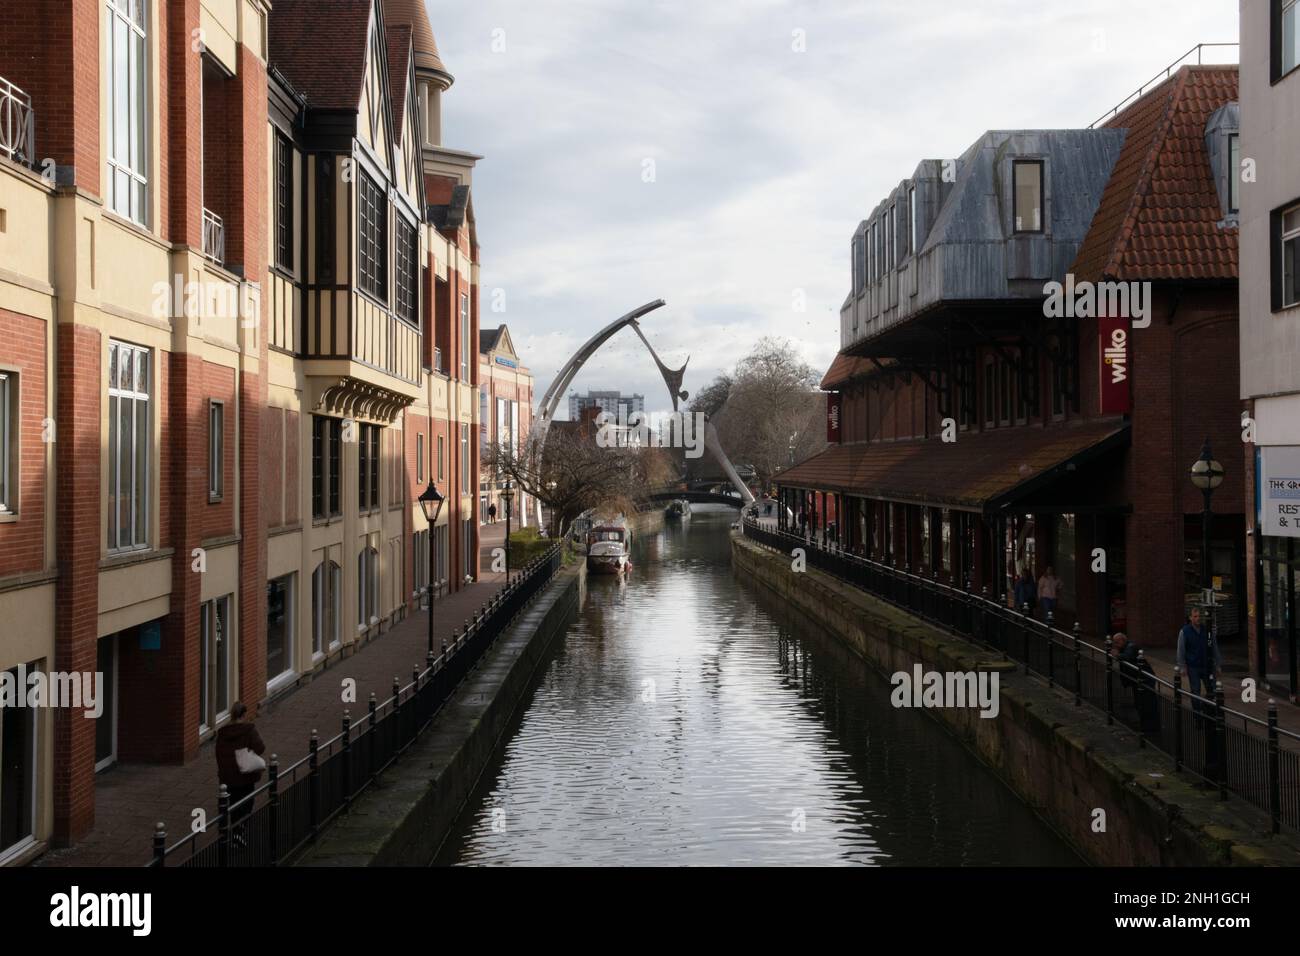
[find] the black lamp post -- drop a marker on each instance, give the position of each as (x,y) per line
(507,495)
(1206,474)
(431,504)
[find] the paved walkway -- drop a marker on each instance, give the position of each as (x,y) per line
(131,798)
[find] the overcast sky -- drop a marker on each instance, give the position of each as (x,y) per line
(773,127)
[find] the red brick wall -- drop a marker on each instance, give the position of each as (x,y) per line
(78,453)
(182,132)
(50,49)
(22,542)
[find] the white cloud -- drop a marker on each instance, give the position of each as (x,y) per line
(766,158)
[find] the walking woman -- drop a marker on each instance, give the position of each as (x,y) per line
(239,765)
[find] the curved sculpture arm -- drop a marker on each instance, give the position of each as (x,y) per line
(556,391)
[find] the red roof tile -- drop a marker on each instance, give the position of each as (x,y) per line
(322,53)
(1158,216)
(844,369)
(977,469)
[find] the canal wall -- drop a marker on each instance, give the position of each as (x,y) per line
(406,814)
(1064,761)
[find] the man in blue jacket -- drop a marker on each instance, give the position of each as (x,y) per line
(1198,656)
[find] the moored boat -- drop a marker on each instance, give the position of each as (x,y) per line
(608,547)
(678,510)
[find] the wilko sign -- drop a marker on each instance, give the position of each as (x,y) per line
(833,417)
(1113,341)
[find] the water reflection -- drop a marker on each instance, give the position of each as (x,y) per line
(687,718)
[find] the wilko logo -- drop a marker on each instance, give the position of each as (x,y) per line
(1113,367)
(833,404)
(1116,356)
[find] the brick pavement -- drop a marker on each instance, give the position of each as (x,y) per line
(131,798)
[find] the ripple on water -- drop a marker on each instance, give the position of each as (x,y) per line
(686,719)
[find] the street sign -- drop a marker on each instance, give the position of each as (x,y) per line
(1280,490)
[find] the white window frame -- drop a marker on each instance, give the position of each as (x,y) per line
(419,458)
(464,457)
(1291,235)
(464,337)
(367,588)
(276,681)
(911,220)
(216,449)
(126,191)
(138,538)
(9,432)
(209,714)
(326,610)
(1016,227)
(1290,57)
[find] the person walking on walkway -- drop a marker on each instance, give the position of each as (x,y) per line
(492,514)
(1198,656)
(239,765)
(1026,593)
(1049,591)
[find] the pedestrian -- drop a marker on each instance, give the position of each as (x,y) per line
(1198,656)
(492,514)
(1049,591)
(239,765)
(1026,593)
(1135,673)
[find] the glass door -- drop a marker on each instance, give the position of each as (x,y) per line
(17,773)
(106,722)
(1280,580)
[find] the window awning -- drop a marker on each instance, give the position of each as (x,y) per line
(980,471)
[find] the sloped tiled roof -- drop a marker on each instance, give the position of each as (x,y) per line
(977,471)
(845,368)
(1158,216)
(487,338)
(398,40)
(323,54)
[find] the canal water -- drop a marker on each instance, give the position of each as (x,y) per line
(687,718)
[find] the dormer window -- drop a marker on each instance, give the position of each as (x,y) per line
(1027,193)
(1234,173)
(913,238)
(1286,37)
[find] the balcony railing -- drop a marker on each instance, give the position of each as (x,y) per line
(17,125)
(214,237)
(1196,54)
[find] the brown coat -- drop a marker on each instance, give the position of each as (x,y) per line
(235,736)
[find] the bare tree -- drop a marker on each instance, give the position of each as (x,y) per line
(772,414)
(572,472)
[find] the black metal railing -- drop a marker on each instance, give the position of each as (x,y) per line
(1237,753)
(295,803)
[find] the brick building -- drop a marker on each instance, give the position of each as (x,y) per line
(505,417)
(1270,308)
(987,425)
(238,308)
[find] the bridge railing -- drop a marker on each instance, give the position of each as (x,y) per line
(295,804)
(1233,751)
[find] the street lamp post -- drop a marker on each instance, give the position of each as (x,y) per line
(431,504)
(507,495)
(1206,474)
